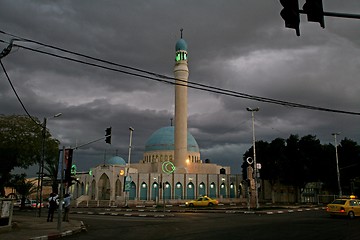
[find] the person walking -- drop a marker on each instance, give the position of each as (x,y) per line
(67,199)
(52,206)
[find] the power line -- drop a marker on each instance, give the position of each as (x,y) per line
(166,79)
(17,96)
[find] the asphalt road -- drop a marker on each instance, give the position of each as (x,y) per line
(300,225)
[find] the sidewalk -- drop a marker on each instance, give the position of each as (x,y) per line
(35,228)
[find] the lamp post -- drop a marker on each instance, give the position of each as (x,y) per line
(41,165)
(254,153)
(337,164)
(131,132)
(127,171)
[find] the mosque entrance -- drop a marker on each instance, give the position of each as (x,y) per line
(143,191)
(154,191)
(167,191)
(132,192)
(104,187)
(202,189)
(190,193)
(212,191)
(223,190)
(179,191)
(232,190)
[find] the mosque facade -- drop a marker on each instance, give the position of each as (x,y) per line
(171,169)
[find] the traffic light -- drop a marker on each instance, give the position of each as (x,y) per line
(290,13)
(314,11)
(108,135)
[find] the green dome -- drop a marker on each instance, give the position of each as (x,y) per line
(181,45)
(163,140)
(116,160)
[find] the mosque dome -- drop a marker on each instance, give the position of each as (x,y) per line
(164,140)
(116,160)
(181,45)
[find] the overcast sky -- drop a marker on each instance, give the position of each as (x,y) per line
(238,45)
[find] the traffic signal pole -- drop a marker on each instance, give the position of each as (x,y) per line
(335,14)
(314,11)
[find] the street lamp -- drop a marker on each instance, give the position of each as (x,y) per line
(131,132)
(337,164)
(254,152)
(127,171)
(41,165)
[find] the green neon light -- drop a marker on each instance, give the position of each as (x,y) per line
(73,169)
(177,57)
(168,167)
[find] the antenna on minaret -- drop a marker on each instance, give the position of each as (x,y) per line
(171,121)
(181,30)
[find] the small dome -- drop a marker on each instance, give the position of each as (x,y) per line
(181,45)
(164,139)
(116,160)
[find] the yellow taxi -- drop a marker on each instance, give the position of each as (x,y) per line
(202,202)
(344,207)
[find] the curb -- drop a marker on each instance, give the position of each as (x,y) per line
(82,228)
(142,213)
(126,214)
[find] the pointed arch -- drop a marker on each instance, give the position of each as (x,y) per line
(104,187)
(202,189)
(190,191)
(179,191)
(143,191)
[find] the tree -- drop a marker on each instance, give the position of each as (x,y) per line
(23,188)
(21,145)
(349,164)
(298,161)
(52,173)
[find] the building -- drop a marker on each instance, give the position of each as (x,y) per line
(171,168)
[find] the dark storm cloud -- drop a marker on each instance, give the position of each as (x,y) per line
(242,46)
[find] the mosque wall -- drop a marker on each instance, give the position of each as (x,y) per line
(107,183)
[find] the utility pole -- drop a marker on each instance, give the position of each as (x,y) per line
(337,164)
(254,153)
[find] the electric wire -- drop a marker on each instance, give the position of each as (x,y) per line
(165,79)
(17,95)
(248,96)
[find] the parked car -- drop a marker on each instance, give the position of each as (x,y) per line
(27,203)
(33,204)
(202,202)
(344,207)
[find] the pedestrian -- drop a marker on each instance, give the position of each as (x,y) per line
(52,206)
(67,198)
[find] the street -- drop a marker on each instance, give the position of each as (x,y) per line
(300,225)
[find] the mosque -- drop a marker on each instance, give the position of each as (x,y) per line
(171,169)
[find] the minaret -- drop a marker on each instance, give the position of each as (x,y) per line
(181,74)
